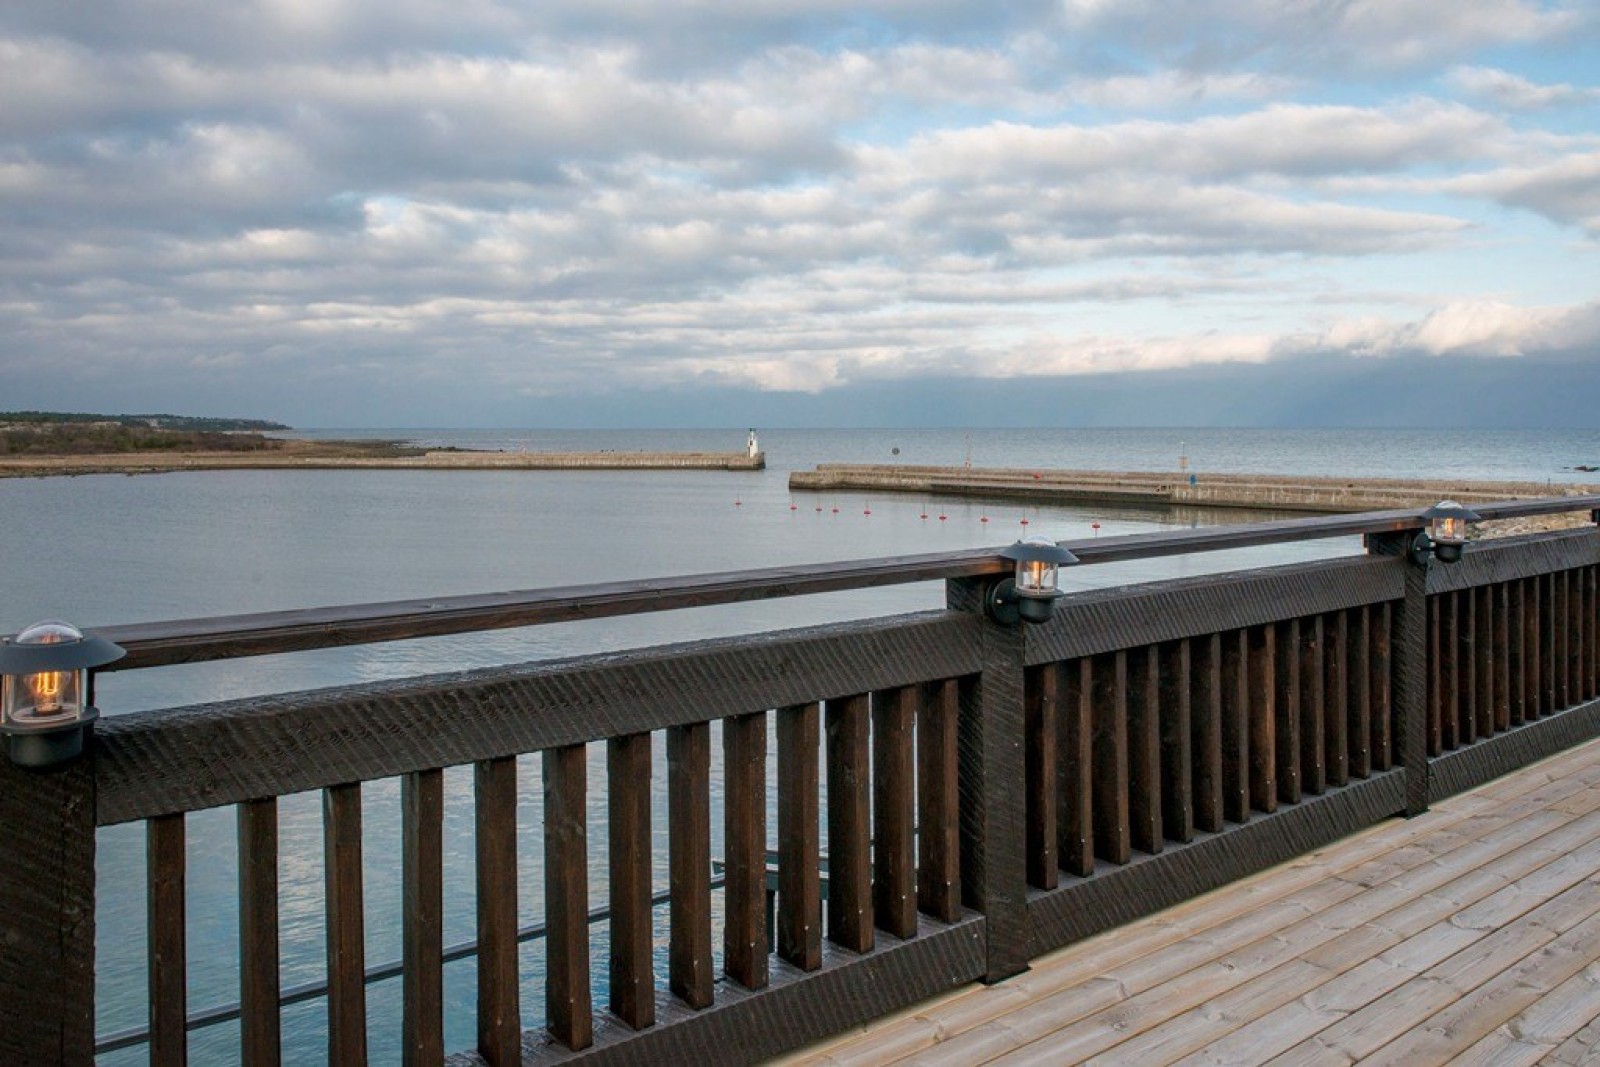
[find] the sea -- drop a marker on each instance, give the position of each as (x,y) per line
(110,549)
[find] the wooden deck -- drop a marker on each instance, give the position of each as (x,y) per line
(1470,934)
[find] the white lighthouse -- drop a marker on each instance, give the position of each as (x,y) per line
(751,445)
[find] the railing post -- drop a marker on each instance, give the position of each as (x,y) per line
(1409,665)
(47,914)
(992,775)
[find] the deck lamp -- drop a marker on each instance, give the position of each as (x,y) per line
(44,691)
(1030,594)
(1446,533)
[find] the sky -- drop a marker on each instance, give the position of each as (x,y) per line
(615,212)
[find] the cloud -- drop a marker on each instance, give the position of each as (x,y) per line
(545,200)
(1514,92)
(1323,35)
(1565,190)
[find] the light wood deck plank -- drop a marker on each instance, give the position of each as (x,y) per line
(1472,931)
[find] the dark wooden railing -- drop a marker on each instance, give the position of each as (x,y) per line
(991,793)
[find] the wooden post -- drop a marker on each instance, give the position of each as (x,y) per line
(993,777)
(47,914)
(1409,663)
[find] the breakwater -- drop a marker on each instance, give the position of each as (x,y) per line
(52,466)
(1278,492)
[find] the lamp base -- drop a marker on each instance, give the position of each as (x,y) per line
(40,749)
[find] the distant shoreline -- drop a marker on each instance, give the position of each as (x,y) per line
(302,454)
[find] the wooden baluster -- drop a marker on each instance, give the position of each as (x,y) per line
(1337,693)
(499,999)
(1449,671)
(1075,759)
(1574,636)
(1483,660)
(1501,663)
(1144,750)
(1039,753)
(1435,675)
(894,857)
(164,871)
(1263,719)
(347,985)
(1177,758)
(1517,651)
(1110,774)
(1358,689)
(1467,662)
(1562,623)
(1286,715)
(744,934)
(849,824)
(569,1011)
(1380,637)
(422,918)
(628,773)
(938,801)
(1533,649)
(1205,709)
(1317,664)
(1586,576)
(1236,726)
(1546,644)
(1591,637)
(689,832)
(260,1027)
(799,847)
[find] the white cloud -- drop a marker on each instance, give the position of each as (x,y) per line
(771,196)
(1515,92)
(1565,190)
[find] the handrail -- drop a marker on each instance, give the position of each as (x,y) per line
(228,637)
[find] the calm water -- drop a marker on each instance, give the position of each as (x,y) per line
(112,549)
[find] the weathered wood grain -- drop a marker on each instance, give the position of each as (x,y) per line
(1177,736)
(499,995)
(744,937)
(1144,749)
(1121,617)
(164,871)
(1040,752)
(1205,706)
(894,843)
(1263,718)
(799,850)
(938,801)
(628,774)
(689,964)
(993,865)
(850,922)
(422,917)
(159,762)
(1075,763)
(569,1014)
(260,1029)
(347,987)
(1112,840)
(47,918)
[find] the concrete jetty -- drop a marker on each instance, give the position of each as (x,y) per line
(51,466)
(1276,492)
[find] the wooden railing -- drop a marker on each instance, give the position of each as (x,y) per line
(991,793)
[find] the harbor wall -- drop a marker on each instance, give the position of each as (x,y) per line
(1278,492)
